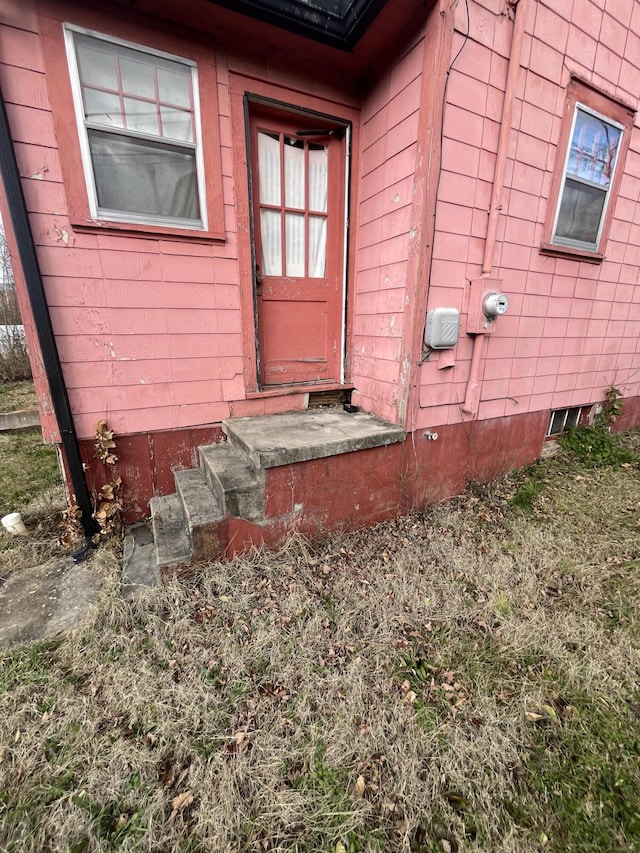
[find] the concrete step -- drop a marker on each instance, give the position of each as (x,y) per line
(283,439)
(202,513)
(219,508)
(170,532)
(236,484)
(139,561)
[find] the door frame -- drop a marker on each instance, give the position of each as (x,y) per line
(254,108)
(244,92)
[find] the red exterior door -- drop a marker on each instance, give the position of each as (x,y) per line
(298,171)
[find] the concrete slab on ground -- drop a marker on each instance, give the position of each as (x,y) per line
(39,602)
(291,437)
(24,419)
(140,561)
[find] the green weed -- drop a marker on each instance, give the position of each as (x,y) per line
(27,468)
(595,446)
(20,667)
(581,779)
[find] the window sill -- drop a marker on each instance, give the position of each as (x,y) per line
(135,229)
(567,252)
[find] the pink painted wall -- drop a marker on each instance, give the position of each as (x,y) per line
(390,116)
(148,329)
(573,328)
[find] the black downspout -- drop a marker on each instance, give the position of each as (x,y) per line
(42,320)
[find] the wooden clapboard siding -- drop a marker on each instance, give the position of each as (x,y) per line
(386,180)
(148,329)
(156,332)
(572,328)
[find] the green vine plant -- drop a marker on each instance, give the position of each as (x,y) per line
(594,445)
(612,408)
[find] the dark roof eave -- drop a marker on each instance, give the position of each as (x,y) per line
(335,23)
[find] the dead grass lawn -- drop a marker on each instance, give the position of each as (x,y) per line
(463,679)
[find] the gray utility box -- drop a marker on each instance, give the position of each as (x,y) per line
(443,328)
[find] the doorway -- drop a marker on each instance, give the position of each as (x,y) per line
(298,169)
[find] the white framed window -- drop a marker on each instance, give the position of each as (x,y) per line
(592,147)
(591,159)
(138,118)
(563,419)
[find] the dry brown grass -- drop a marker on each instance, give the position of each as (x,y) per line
(462,679)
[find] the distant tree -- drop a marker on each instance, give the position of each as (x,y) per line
(6,270)
(14,360)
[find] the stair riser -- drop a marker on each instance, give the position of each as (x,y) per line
(208,541)
(244,450)
(173,546)
(245,501)
(327,472)
(248,505)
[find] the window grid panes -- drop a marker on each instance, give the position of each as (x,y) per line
(139,118)
(293,234)
(591,161)
(148,94)
(563,419)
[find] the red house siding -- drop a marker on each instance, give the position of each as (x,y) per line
(155,328)
(390,119)
(572,328)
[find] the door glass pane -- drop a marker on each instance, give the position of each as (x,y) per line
(317,246)
(271,238)
(137,77)
(318,178)
(294,223)
(144,177)
(141,116)
(97,63)
(294,173)
(593,149)
(174,85)
(176,124)
(102,108)
(580,212)
(269,168)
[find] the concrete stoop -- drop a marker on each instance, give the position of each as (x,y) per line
(242,493)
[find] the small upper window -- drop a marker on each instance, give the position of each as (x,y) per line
(592,146)
(588,173)
(137,113)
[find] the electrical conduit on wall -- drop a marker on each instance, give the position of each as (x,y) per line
(472,396)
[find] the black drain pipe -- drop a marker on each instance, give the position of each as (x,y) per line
(42,320)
